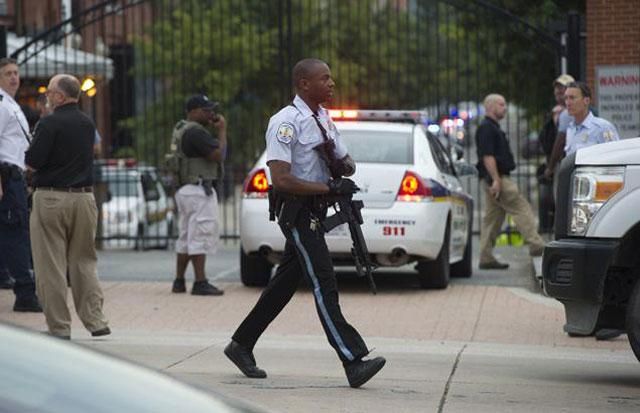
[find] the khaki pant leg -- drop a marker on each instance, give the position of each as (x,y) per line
(48,243)
(85,288)
(518,207)
(491,224)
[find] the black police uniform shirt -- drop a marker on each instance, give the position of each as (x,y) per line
(197,143)
(492,141)
(62,149)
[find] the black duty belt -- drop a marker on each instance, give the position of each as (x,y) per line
(8,170)
(80,189)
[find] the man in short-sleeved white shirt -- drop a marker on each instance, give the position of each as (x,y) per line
(586,129)
(300,175)
(14,214)
(293,133)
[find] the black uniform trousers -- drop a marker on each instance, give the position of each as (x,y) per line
(15,245)
(305,254)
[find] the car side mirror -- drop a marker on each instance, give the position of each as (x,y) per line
(465,169)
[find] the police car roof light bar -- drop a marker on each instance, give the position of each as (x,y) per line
(412,116)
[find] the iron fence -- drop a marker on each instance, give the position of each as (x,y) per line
(139,60)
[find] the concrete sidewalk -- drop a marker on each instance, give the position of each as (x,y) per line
(485,344)
(467,348)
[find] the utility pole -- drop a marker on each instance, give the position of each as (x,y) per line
(573,44)
(4,21)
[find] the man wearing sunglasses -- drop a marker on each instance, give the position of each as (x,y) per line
(197,165)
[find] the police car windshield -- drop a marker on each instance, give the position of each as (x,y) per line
(379,147)
(122,185)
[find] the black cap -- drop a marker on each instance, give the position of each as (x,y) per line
(199,101)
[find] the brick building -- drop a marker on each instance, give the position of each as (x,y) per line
(613,61)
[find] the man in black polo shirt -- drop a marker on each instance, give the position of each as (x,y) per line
(63,220)
(495,163)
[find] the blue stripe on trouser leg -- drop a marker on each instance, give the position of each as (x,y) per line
(318,295)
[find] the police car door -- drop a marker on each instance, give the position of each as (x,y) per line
(457,198)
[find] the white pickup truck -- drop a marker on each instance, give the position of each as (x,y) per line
(593,266)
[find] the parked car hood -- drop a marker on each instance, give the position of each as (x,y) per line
(622,152)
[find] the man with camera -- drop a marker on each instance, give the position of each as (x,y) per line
(300,176)
(197,163)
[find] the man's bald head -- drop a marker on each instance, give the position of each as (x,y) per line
(495,106)
(305,69)
(68,85)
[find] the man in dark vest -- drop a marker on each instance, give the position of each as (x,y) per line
(198,158)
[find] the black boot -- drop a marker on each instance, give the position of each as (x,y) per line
(27,304)
(179,286)
(360,371)
(204,288)
(244,360)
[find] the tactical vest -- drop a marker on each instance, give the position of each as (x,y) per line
(191,170)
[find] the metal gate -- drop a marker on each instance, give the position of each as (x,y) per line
(140,59)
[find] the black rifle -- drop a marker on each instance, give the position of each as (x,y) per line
(327,151)
(348,211)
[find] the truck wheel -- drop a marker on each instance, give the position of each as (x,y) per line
(255,271)
(633,320)
(435,274)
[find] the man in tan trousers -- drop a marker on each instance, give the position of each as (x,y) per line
(495,163)
(63,220)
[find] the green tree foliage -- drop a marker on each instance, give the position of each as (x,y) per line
(383,54)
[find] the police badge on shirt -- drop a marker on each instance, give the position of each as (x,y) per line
(285,133)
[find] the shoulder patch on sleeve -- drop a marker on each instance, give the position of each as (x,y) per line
(285,133)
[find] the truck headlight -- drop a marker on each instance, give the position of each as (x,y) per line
(592,188)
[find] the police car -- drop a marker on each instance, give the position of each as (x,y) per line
(136,211)
(416,210)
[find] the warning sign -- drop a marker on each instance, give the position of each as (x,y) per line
(618,94)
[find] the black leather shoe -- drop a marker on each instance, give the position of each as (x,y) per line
(27,304)
(608,334)
(494,265)
(204,288)
(179,286)
(244,360)
(102,332)
(6,282)
(359,372)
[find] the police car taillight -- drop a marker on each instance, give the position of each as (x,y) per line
(256,185)
(413,188)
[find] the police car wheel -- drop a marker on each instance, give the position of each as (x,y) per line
(255,271)
(464,269)
(633,320)
(436,273)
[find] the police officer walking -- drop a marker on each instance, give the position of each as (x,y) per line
(301,177)
(14,214)
(197,163)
